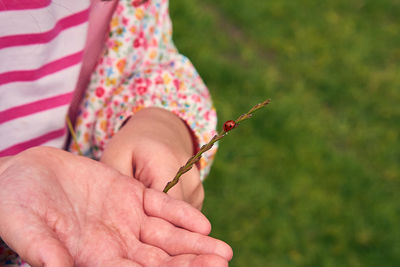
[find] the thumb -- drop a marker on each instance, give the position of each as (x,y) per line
(34,241)
(179,213)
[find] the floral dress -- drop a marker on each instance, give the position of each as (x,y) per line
(142,68)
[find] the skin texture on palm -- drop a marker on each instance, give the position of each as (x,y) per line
(58,209)
(151,147)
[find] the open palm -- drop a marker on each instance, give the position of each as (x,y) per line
(57,209)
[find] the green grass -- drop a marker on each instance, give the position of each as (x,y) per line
(314,178)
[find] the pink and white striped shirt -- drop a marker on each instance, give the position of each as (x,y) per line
(42,47)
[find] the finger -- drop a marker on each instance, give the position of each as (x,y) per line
(120,263)
(189,187)
(196,260)
(148,255)
(197,196)
(175,241)
(177,212)
(35,242)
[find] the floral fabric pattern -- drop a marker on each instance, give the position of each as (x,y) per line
(142,68)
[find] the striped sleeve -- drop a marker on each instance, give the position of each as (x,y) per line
(41,50)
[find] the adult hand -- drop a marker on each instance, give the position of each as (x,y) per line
(151,147)
(57,209)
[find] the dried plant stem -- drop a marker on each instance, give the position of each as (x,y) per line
(195,158)
(71,130)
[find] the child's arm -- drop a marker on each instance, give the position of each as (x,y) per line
(142,69)
(151,146)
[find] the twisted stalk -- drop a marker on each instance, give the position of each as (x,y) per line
(73,134)
(195,158)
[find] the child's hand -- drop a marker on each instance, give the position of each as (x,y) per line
(151,147)
(57,209)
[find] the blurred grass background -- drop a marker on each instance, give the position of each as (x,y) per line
(314,178)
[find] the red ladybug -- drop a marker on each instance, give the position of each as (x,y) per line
(229,125)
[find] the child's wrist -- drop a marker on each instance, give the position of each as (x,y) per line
(161,126)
